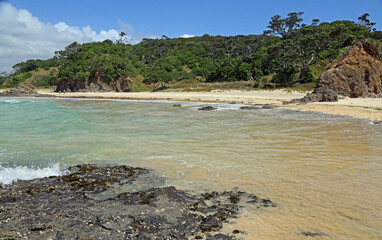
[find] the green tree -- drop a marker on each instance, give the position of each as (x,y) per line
(364,21)
(282,26)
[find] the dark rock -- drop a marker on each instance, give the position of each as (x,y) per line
(267,106)
(220,237)
(377,122)
(234,198)
(207,108)
(329,95)
(176,105)
(253,107)
(257,106)
(238,232)
(60,208)
(311,234)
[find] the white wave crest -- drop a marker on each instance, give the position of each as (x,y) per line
(11,101)
(10,174)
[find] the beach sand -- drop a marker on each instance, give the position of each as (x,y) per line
(366,108)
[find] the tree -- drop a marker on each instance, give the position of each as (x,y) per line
(299,49)
(122,38)
(364,21)
(282,26)
(69,52)
(304,47)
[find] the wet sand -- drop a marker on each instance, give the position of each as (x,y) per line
(366,108)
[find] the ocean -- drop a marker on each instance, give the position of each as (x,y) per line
(323,171)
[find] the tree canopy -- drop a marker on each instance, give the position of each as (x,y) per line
(287,50)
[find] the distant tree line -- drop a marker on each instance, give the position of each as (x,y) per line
(284,54)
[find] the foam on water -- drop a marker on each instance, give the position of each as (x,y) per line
(9,101)
(10,174)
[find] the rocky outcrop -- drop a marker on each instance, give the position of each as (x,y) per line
(357,74)
(26,88)
(23,90)
(108,202)
(98,85)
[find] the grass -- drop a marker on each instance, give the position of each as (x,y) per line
(196,86)
(302,87)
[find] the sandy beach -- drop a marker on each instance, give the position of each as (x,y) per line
(366,108)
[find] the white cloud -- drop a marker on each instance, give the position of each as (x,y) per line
(23,36)
(187,36)
(61,26)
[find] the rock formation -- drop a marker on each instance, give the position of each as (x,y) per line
(98,85)
(26,87)
(357,74)
(207,108)
(23,90)
(94,202)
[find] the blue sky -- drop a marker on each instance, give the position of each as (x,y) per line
(197,17)
(35,29)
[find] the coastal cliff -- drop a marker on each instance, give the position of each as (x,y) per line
(357,74)
(98,85)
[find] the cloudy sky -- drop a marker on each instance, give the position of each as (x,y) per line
(35,29)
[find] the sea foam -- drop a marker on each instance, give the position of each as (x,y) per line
(9,101)
(10,174)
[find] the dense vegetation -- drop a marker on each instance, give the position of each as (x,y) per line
(288,52)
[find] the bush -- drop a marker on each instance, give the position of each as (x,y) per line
(45,81)
(284,77)
(257,74)
(308,77)
(259,82)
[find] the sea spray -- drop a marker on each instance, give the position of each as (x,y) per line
(10,174)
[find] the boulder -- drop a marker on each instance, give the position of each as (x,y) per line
(23,90)
(207,108)
(252,107)
(357,74)
(26,88)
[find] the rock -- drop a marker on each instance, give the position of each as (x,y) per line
(357,74)
(253,107)
(236,231)
(329,95)
(26,88)
(97,85)
(267,106)
(207,108)
(23,90)
(311,234)
(58,207)
(176,105)
(377,122)
(220,237)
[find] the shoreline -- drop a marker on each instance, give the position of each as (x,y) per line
(364,108)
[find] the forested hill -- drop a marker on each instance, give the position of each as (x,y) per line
(288,52)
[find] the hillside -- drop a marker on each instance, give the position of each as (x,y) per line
(288,53)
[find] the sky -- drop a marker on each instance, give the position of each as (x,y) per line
(35,29)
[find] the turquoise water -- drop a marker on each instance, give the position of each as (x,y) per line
(323,171)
